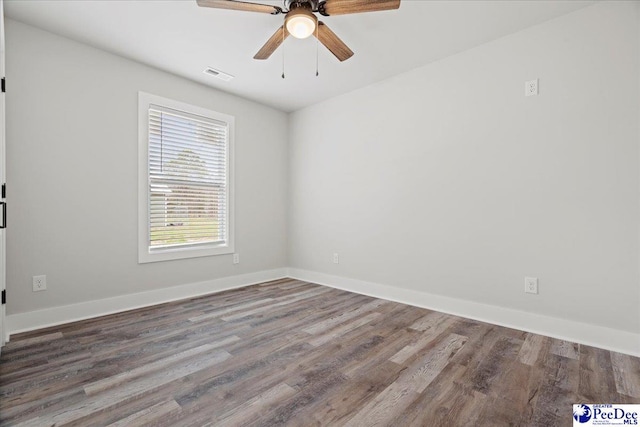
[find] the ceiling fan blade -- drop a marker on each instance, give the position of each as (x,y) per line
(240,5)
(333,42)
(272,44)
(343,7)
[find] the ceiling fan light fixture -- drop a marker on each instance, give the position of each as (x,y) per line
(301,23)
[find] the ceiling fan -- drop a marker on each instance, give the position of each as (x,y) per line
(301,22)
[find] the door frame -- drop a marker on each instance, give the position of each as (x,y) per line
(4,331)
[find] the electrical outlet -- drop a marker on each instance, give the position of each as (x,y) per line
(336,258)
(531,285)
(236,258)
(531,88)
(39,283)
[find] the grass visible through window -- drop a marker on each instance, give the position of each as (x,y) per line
(186,230)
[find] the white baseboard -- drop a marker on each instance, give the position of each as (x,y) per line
(23,322)
(583,333)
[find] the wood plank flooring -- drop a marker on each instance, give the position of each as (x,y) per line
(293,353)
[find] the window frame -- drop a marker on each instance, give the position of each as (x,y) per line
(145,255)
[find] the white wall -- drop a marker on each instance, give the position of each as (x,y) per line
(447,180)
(72,175)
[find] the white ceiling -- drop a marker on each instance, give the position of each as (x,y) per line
(182,38)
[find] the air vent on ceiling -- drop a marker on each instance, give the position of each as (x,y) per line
(218,74)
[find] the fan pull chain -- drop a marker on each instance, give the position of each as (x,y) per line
(283,37)
(317,49)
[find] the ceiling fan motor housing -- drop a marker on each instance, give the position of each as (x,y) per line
(307,4)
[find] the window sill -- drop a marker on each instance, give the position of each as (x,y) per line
(171,254)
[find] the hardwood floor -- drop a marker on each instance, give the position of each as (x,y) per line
(293,353)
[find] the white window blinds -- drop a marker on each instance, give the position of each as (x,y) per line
(188,167)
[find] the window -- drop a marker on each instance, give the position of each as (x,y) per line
(185,180)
